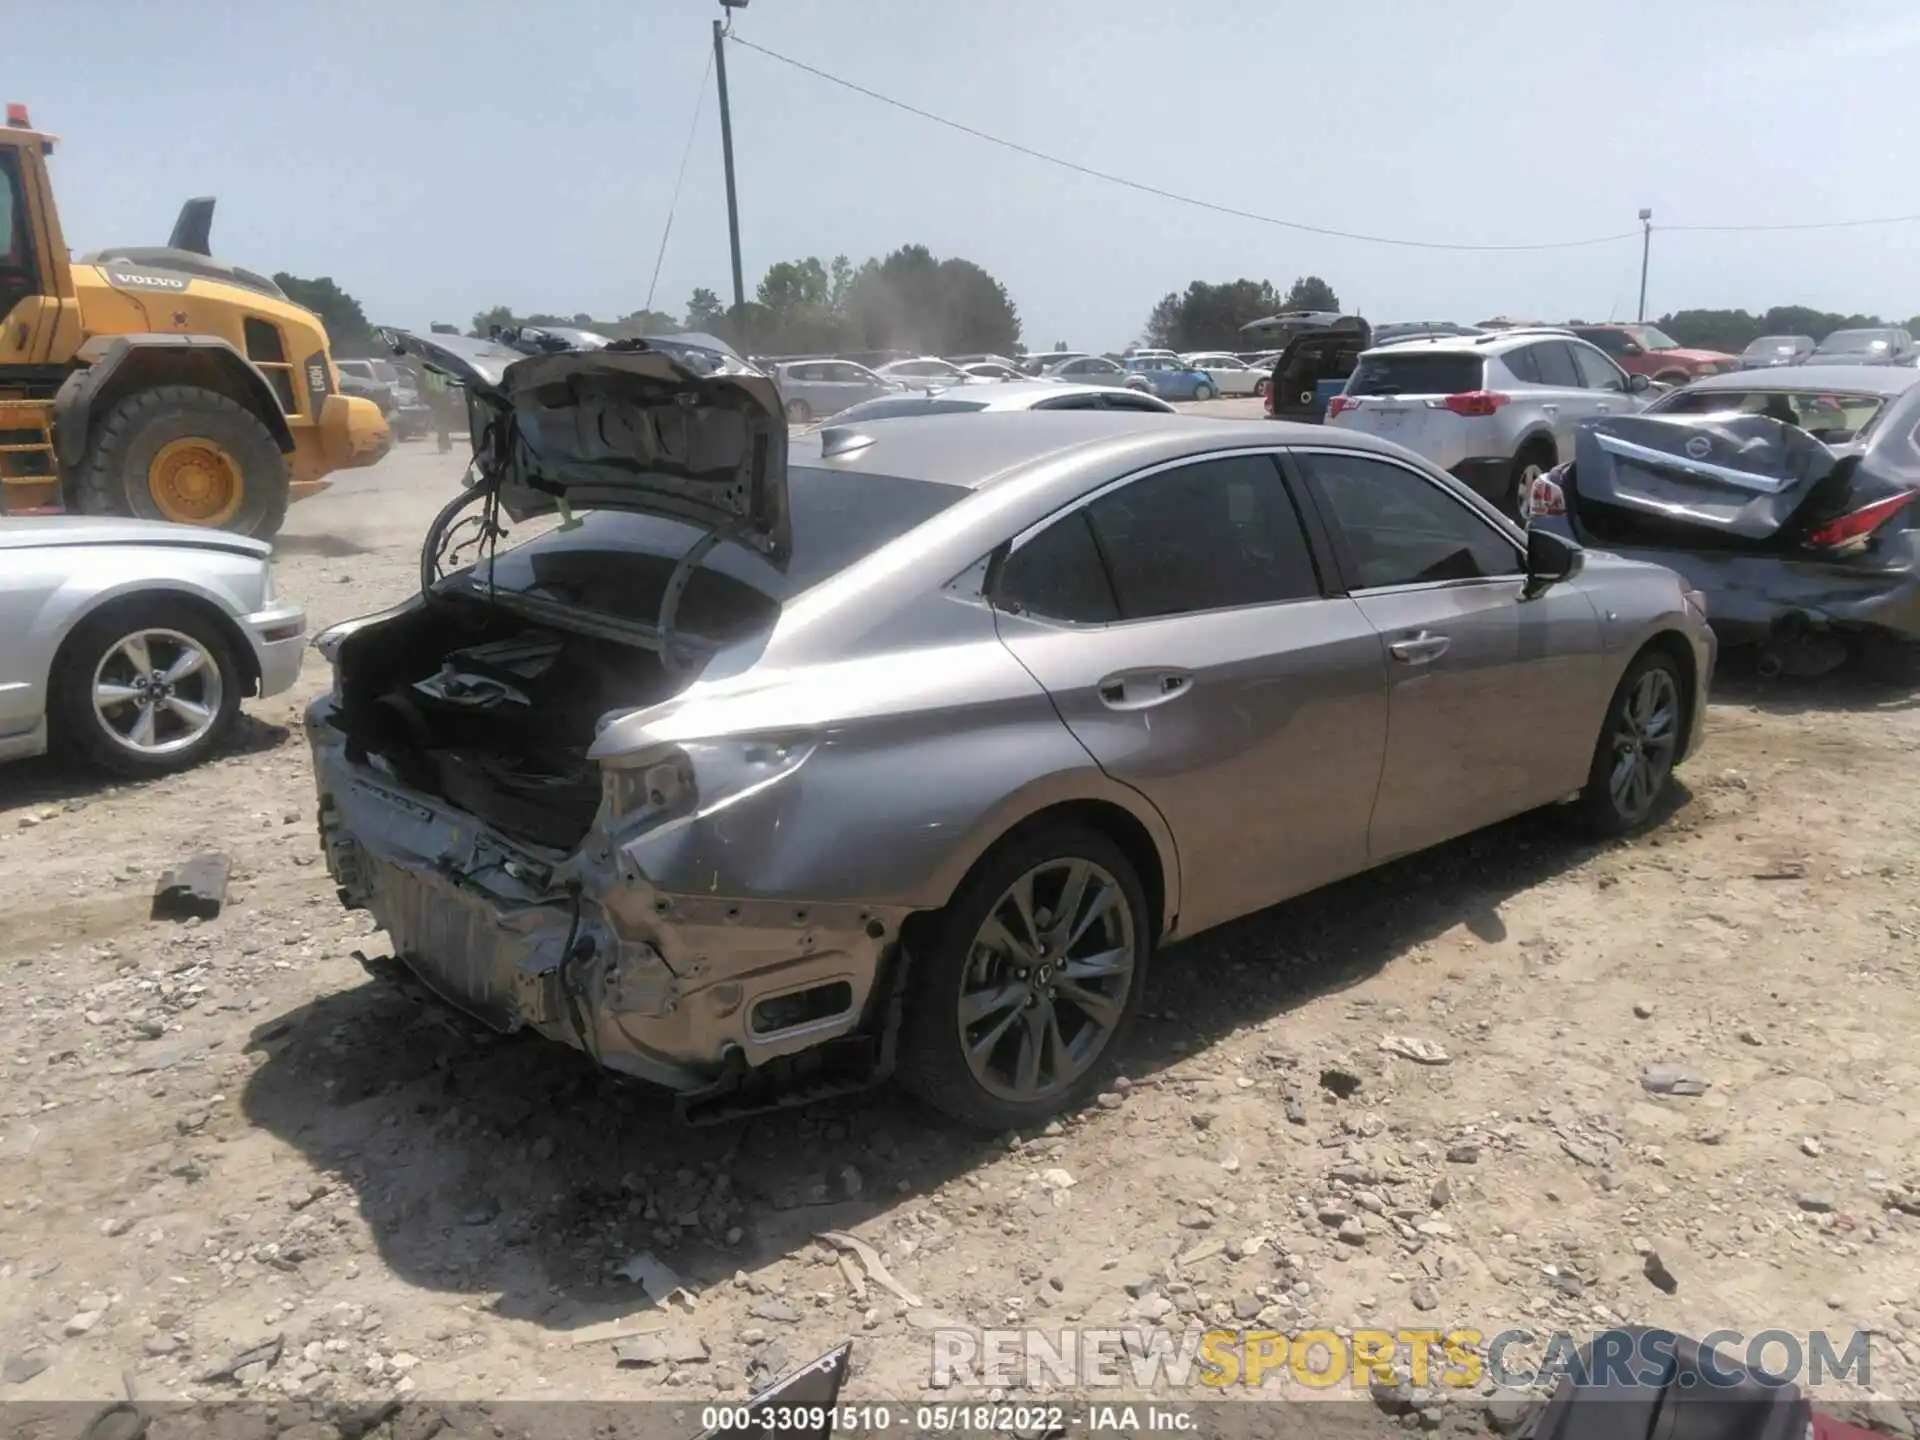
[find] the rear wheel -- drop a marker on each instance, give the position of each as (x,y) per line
(1528,466)
(1020,1003)
(799,412)
(1203,392)
(1633,759)
(145,688)
(192,456)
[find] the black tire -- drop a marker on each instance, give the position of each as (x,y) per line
(799,412)
(1886,659)
(1203,392)
(81,730)
(1532,462)
(115,476)
(1601,807)
(933,1062)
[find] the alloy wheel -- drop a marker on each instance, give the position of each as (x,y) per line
(1643,743)
(1046,980)
(157,692)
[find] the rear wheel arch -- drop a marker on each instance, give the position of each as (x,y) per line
(1540,444)
(1150,856)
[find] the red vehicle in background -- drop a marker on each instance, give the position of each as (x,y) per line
(1650,351)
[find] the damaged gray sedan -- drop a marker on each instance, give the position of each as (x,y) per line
(1786,498)
(781,765)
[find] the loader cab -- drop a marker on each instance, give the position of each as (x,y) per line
(36,283)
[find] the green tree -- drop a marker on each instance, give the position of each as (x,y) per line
(487,321)
(1209,317)
(1310,292)
(915,301)
(348,332)
(704,310)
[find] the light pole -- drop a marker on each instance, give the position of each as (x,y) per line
(726,145)
(1646,234)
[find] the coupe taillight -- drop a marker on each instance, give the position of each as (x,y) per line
(1476,402)
(1340,404)
(1856,528)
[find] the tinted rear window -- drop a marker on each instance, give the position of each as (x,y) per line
(838,518)
(1415,374)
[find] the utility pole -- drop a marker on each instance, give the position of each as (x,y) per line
(1646,226)
(726,150)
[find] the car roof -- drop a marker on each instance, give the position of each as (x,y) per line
(975,449)
(1819,379)
(1496,342)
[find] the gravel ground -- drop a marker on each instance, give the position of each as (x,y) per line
(222,1135)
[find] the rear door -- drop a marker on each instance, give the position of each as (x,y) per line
(1179,620)
(1494,700)
(1565,398)
(1607,388)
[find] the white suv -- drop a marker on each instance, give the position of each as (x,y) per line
(1496,411)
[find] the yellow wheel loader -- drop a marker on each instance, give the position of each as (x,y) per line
(157,382)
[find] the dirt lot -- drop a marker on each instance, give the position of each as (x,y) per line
(217,1134)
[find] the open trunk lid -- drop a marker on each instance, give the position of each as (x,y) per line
(1744,477)
(674,426)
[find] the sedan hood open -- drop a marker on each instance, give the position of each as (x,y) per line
(671,425)
(1745,476)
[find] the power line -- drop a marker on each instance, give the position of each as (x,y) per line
(1164,194)
(1805,225)
(693,129)
(1300,225)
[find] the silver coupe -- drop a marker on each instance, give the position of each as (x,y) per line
(128,644)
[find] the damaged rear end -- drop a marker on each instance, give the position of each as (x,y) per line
(529,868)
(1805,550)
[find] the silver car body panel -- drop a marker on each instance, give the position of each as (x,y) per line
(913,725)
(57,570)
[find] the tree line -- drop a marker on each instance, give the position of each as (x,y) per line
(1208,317)
(1733,330)
(912,300)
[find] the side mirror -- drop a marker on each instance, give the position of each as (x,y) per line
(1550,559)
(1639,384)
(1633,349)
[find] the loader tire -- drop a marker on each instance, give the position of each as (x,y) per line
(192,456)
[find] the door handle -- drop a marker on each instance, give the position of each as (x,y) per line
(1421,648)
(1139,689)
(1551,409)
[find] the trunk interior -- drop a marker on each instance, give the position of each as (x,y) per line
(491,712)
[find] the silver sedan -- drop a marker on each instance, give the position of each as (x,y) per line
(128,644)
(900,746)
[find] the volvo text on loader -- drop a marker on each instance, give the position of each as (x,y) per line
(157,382)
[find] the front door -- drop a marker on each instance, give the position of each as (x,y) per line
(1494,697)
(1179,622)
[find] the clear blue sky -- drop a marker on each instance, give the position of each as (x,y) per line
(437,157)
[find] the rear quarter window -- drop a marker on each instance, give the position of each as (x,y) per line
(1420,374)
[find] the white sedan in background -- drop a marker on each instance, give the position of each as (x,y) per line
(128,644)
(925,371)
(1230,374)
